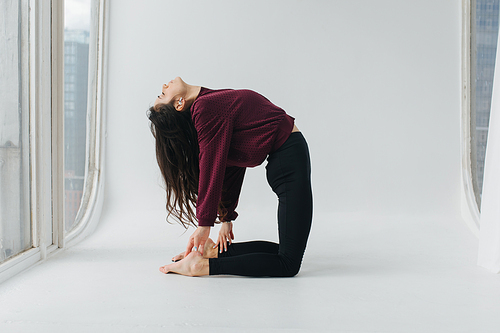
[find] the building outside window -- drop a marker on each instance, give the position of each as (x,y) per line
(483,49)
(76,73)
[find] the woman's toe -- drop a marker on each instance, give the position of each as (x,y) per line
(178,257)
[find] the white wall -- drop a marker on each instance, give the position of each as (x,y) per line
(373,85)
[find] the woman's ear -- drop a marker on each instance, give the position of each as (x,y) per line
(179,105)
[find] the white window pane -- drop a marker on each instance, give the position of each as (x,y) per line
(487,12)
(15,221)
(76,48)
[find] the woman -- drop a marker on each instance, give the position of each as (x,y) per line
(205,140)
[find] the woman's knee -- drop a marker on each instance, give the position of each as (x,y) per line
(292,272)
(291,269)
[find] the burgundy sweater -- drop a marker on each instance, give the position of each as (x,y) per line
(236,129)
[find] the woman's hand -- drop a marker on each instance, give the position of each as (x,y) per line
(197,240)
(225,235)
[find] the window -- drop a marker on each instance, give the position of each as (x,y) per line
(483,49)
(484,36)
(50,145)
(15,221)
(76,76)
(479,45)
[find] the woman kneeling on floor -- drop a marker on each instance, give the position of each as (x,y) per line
(205,140)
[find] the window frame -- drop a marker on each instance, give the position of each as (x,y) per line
(46,133)
(471,199)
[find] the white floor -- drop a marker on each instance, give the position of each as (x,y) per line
(360,274)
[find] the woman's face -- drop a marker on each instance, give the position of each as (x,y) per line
(171,91)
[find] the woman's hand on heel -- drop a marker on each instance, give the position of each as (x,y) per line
(197,240)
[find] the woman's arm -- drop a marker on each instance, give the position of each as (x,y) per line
(214,139)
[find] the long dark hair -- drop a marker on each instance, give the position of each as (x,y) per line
(177,154)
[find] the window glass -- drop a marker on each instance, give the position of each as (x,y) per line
(486,36)
(15,220)
(76,59)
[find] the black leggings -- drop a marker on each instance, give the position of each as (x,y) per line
(289,175)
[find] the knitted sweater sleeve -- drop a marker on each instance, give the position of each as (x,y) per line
(214,138)
(233,180)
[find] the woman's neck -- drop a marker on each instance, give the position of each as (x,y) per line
(191,94)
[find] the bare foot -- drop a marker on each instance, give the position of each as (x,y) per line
(208,251)
(193,265)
